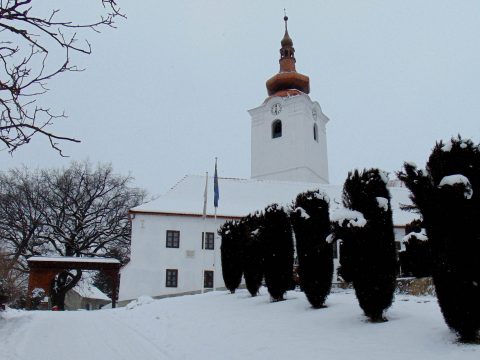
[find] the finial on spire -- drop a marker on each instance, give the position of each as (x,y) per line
(286,41)
(287,81)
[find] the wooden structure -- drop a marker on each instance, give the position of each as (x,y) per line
(44,269)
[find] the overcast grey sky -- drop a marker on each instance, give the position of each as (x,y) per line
(170,88)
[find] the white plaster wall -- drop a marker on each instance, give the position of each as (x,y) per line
(146,272)
(399,232)
(295,156)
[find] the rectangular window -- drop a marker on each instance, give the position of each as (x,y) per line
(173,239)
(335,250)
(208,279)
(172,278)
(208,241)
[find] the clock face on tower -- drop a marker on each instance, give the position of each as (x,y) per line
(276,109)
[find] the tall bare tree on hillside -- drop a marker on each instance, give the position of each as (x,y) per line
(36,45)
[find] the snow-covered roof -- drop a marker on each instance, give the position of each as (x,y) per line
(239,197)
(86,289)
(74,259)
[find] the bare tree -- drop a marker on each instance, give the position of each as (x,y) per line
(77,211)
(32,40)
(21,201)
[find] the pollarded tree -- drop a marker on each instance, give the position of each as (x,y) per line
(78,211)
(253,251)
(37,45)
(447,194)
(311,223)
(231,254)
(374,260)
(276,236)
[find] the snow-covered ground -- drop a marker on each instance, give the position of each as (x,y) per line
(222,326)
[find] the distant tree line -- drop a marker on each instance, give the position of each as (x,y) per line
(443,243)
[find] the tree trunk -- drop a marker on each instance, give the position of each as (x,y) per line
(63,282)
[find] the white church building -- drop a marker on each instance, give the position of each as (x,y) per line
(176,250)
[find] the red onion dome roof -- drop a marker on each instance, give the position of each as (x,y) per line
(287,78)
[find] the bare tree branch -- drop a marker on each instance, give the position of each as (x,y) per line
(26,66)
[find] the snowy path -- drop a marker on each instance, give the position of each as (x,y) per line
(221,326)
(76,335)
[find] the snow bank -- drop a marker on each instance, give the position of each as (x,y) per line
(447,147)
(74,259)
(319,195)
(349,218)
(458,179)
(142,300)
(382,203)
(303,213)
(383,176)
(422,236)
(330,238)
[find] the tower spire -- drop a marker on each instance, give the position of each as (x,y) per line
(287,81)
(287,58)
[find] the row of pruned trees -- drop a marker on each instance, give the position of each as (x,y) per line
(260,246)
(444,243)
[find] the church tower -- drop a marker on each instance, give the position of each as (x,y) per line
(289,140)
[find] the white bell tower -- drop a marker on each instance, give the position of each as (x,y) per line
(289,140)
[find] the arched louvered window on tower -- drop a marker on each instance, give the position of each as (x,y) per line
(315,132)
(276,129)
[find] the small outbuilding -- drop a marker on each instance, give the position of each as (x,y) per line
(85,296)
(44,269)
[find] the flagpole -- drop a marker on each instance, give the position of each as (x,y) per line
(215,203)
(205,194)
(215,250)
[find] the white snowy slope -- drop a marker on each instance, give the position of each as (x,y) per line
(222,326)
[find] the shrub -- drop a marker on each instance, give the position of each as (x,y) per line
(253,257)
(447,194)
(416,259)
(276,236)
(366,231)
(311,223)
(231,254)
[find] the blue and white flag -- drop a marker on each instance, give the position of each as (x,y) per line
(216,192)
